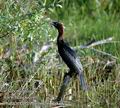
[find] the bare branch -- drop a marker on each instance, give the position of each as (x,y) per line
(103,53)
(104,41)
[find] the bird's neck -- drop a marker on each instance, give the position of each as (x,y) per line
(60,34)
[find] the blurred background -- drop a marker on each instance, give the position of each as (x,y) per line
(31,69)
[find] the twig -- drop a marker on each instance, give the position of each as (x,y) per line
(104,53)
(104,41)
(108,40)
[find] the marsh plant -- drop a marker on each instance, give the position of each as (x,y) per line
(31,70)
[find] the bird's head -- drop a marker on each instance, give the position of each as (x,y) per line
(57,25)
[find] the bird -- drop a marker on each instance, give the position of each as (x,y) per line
(70,58)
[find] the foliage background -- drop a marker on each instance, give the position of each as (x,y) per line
(30,73)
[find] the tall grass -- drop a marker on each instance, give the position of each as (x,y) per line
(30,74)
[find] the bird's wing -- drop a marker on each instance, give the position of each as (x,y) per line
(76,65)
(72,59)
(79,64)
(69,50)
(73,62)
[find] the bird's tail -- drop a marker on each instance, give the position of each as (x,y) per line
(83,82)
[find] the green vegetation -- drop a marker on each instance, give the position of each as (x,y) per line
(30,74)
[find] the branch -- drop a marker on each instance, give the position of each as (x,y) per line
(103,53)
(95,43)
